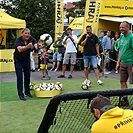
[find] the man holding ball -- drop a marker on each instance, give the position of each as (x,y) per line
(23,45)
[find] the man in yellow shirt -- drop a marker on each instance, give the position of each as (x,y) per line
(110,119)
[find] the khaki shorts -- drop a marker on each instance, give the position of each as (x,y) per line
(71,56)
(126,72)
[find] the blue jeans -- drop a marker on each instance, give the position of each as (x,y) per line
(22,67)
(57,57)
(92,59)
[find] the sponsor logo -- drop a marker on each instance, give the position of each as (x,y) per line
(94,11)
(123,123)
(91,12)
(6,60)
(59,13)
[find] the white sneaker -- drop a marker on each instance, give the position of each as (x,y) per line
(106,72)
(99,82)
(116,72)
(51,69)
(55,70)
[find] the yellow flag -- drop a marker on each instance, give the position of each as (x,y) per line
(59,18)
(92,12)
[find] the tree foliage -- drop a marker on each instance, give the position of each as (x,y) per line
(39,14)
(80,4)
(78,10)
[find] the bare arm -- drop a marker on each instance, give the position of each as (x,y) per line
(97,49)
(84,42)
(118,61)
(24,48)
(64,41)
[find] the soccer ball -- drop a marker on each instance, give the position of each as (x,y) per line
(58,85)
(88,82)
(84,86)
(50,86)
(37,89)
(45,39)
(44,85)
(31,85)
(41,87)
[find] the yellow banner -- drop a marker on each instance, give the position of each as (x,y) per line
(92,12)
(2,38)
(117,8)
(6,60)
(59,18)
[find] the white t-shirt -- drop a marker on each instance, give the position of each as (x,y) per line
(70,48)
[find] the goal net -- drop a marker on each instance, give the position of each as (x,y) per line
(70,113)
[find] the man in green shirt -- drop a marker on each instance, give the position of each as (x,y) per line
(125,58)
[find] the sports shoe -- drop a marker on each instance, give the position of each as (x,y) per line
(38,70)
(47,78)
(61,76)
(106,72)
(70,76)
(22,98)
(43,77)
(51,69)
(55,70)
(116,72)
(28,95)
(99,82)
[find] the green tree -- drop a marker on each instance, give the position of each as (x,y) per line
(80,4)
(39,14)
(78,10)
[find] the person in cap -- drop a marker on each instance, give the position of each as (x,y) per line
(58,51)
(110,119)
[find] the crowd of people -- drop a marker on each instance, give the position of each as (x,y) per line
(118,48)
(106,44)
(105,47)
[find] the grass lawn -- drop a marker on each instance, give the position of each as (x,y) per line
(25,116)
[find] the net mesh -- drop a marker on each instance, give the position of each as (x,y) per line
(73,115)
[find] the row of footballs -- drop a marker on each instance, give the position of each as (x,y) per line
(49,86)
(57,86)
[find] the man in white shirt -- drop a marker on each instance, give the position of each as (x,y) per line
(71,44)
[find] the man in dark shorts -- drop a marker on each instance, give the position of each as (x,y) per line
(125,58)
(90,44)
